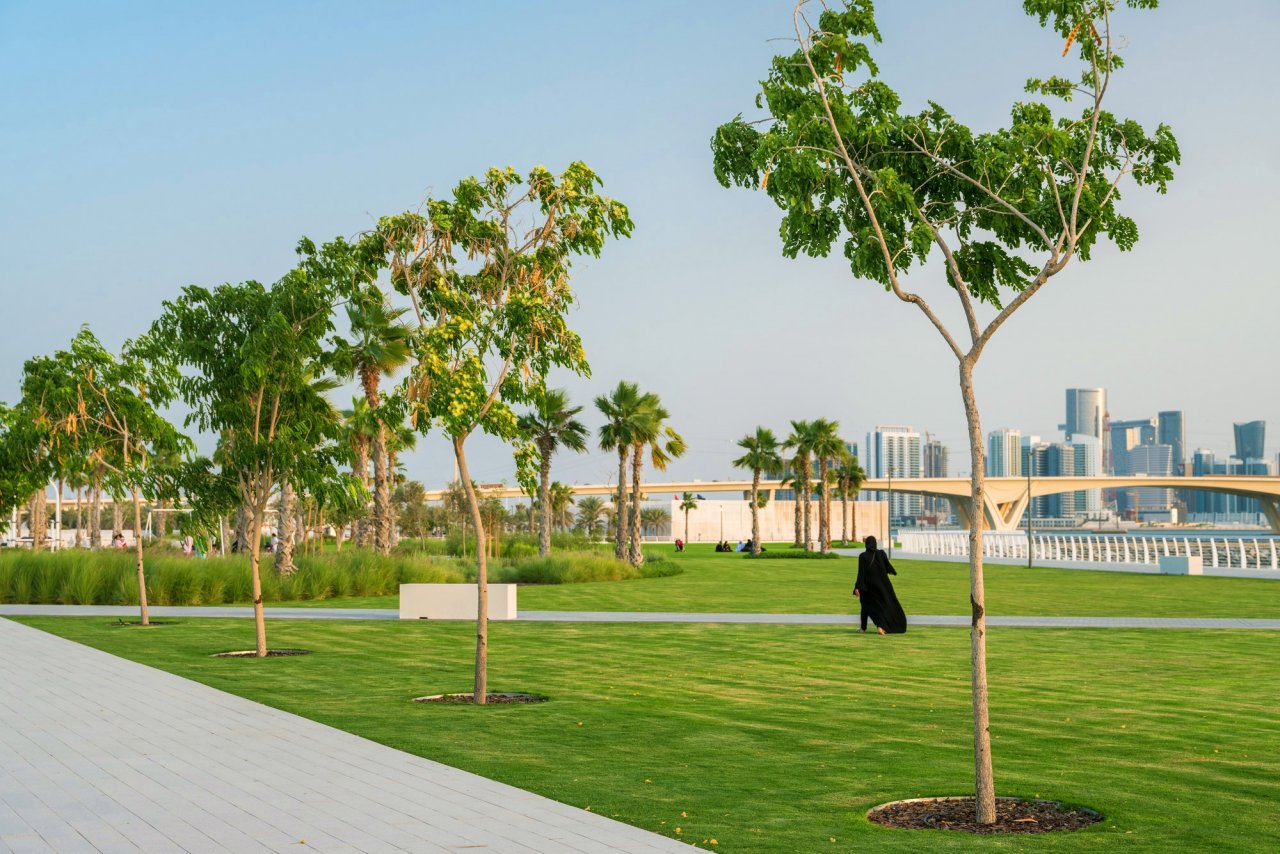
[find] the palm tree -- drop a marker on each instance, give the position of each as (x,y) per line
(380,346)
(827,447)
(801,441)
(654,518)
(559,500)
(663,444)
(688,501)
(850,477)
(621,411)
(358,429)
(761,454)
(550,426)
(590,509)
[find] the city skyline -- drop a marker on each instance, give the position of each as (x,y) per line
(171,144)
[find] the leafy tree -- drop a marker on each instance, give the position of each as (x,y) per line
(591,509)
(688,501)
(761,453)
(252,354)
(1005,211)
(650,433)
(487,273)
(622,411)
(550,425)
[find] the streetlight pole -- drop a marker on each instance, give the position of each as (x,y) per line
(1031,462)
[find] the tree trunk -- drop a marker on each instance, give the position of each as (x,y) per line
(393,518)
(984,779)
(223,535)
(39,520)
(137,545)
(117,517)
(337,537)
(686,525)
(636,555)
(844,514)
(824,508)
(544,499)
(795,487)
(162,520)
(620,507)
(286,522)
(808,521)
(755,511)
(381,492)
(254,517)
(95,518)
(79,517)
(241,541)
(480,693)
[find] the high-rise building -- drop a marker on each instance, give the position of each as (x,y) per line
(1050,460)
(895,451)
(1086,411)
(1004,454)
(1171,430)
(1250,439)
(1087,460)
(1151,460)
(1202,463)
(1126,435)
(935,463)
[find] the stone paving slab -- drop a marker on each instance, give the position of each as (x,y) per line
(100,754)
(946,621)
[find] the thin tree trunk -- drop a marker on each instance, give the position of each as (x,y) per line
(360,530)
(284,548)
(795,487)
(755,511)
(381,492)
(636,555)
(117,517)
(824,508)
(254,519)
(320,529)
(844,514)
(686,525)
(241,541)
(223,535)
(39,519)
(79,517)
(984,779)
(137,545)
(480,693)
(95,517)
(162,520)
(620,507)
(544,499)
(808,522)
(337,537)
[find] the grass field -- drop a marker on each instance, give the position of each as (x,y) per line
(779,738)
(730,583)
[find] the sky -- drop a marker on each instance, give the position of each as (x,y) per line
(146,146)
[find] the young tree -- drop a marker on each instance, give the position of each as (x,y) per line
(253,354)
(688,501)
(1004,211)
(761,453)
(551,425)
(490,328)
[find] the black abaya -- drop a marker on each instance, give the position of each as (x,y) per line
(878,599)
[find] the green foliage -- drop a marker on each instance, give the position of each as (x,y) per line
(792,554)
(577,567)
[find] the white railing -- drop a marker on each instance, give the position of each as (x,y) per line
(1217,552)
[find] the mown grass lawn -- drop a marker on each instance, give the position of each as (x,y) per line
(731,583)
(779,738)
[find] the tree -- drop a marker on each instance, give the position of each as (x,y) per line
(379,346)
(559,500)
(1004,211)
(550,426)
(622,412)
(654,518)
(93,409)
(849,476)
(828,448)
(761,453)
(591,510)
(491,328)
(801,441)
(252,354)
(663,444)
(688,501)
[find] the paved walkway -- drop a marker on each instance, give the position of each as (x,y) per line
(129,612)
(102,754)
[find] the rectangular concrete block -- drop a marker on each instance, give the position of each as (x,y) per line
(1181,565)
(454,601)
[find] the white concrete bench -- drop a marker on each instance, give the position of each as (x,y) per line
(1181,565)
(454,601)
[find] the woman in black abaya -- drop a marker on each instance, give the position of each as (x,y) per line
(875,592)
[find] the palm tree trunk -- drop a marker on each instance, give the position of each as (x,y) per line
(755,511)
(984,778)
(686,525)
(544,499)
(480,692)
(844,513)
(636,555)
(361,530)
(824,508)
(795,487)
(381,492)
(620,507)
(137,544)
(285,522)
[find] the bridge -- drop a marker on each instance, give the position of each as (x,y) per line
(1005,498)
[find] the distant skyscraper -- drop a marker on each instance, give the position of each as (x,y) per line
(935,464)
(1126,435)
(896,451)
(1171,430)
(1086,410)
(1152,460)
(1250,439)
(1051,460)
(1088,463)
(1004,453)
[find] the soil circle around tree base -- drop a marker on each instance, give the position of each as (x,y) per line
(253,653)
(494,698)
(1013,815)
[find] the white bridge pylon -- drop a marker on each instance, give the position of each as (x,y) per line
(1004,499)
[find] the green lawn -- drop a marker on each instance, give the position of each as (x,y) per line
(779,738)
(731,583)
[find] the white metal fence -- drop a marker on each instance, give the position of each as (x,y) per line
(1261,552)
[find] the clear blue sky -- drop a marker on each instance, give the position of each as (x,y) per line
(150,145)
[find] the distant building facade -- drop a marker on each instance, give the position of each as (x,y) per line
(1004,453)
(894,451)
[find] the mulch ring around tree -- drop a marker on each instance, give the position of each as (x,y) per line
(253,653)
(126,623)
(503,698)
(1013,815)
